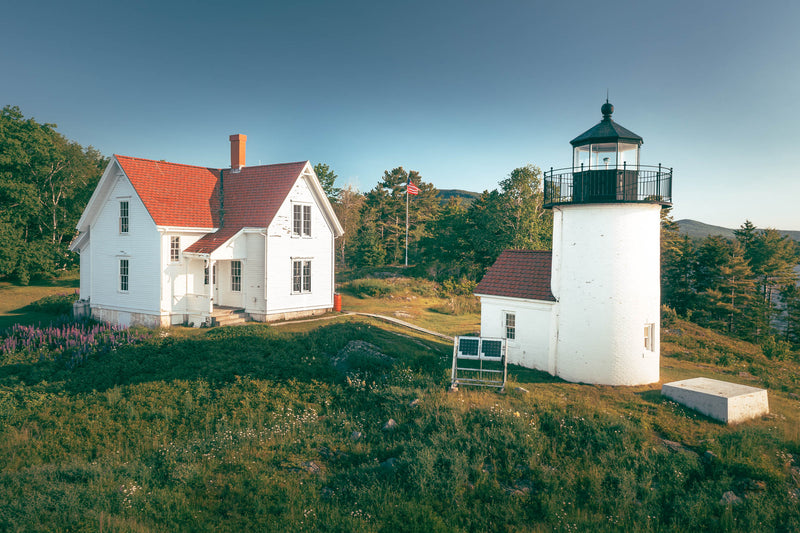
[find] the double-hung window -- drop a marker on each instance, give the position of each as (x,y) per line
(124,216)
(301,220)
(301,276)
(174,249)
(236,276)
(123,275)
(510,325)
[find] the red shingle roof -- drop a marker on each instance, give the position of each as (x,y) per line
(188,196)
(252,197)
(519,274)
(174,194)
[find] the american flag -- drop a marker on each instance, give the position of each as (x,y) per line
(411,188)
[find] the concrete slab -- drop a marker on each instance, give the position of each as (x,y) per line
(727,402)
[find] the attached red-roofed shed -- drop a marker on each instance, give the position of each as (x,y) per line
(519,274)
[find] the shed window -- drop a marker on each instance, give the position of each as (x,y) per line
(301,276)
(510,322)
(301,220)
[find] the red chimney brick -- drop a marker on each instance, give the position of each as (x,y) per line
(238,142)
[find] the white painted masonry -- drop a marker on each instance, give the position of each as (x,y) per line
(606,278)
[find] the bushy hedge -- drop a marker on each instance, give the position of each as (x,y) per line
(55,304)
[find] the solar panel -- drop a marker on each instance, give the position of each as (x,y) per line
(468,346)
(492,349)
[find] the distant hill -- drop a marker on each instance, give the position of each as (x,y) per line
(467,197)
(700,230)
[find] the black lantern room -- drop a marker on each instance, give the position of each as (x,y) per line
(606,169)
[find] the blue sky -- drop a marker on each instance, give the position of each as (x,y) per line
(463,92)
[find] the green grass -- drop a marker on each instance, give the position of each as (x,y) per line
(15,299)
(258,428)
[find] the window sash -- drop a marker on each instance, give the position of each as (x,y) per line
(124,216)
(306,276)
(297,219)
(297,279)
(511,326)
(301,220)
(124,269)
(236,276)
(307,221)
(175,249)
(301,276)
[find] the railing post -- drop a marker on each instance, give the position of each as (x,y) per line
(658,183)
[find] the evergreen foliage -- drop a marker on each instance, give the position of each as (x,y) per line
(745,287)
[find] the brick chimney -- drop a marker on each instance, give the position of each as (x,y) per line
(238,142)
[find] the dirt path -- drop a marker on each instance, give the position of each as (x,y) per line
(389,319)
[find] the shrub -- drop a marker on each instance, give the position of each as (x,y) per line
(774,348)
(370,287)
(55,304)
(458,287)
(458,305)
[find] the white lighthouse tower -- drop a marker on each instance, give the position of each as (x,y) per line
(606,258)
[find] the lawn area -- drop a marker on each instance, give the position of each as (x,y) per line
(417,302)
(15,298)
(347,424)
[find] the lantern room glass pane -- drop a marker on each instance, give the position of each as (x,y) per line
(628,154)
(604,155)
(581,156)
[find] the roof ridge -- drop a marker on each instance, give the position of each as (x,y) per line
(165,162)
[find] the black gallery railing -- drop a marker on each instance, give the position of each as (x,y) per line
(585,185)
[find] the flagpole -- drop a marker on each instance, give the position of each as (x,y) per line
(407,221)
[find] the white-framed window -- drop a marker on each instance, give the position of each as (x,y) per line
(301,220)
(510,325)
(650,337)
(124,274)
(301,275)
(205,276)
(236,276)
(124,216)
(174,249)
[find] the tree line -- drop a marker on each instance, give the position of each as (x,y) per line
(45,182)
(746,287)
(445,239)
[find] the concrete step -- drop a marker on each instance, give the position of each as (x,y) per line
(229,317)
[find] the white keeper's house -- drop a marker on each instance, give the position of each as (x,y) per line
(589,310)
(164,243)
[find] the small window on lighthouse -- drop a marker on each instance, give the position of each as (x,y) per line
(511,326)
(649,337)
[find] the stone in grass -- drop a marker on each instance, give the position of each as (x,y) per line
(312,467)
(389,464)
(520,487)
(356,436)
(390,425)
(414,403)
(521,390)
(730,498)
(709,457)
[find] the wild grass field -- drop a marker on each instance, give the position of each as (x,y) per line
(347,425)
